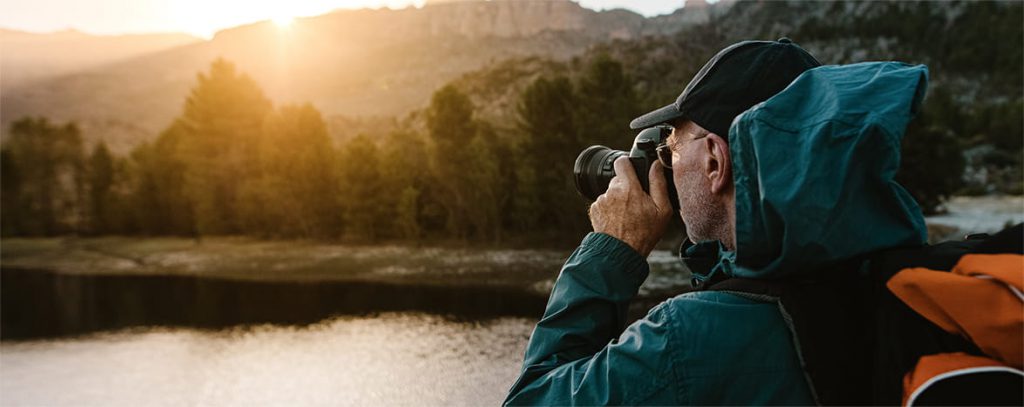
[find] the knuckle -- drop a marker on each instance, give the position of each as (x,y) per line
(620,164)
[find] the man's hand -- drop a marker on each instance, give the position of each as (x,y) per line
(630,215)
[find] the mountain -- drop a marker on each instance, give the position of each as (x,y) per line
(972,121)
(28,57)
(973,49)
(347,63)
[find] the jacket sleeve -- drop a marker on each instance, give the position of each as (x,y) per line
(579,352)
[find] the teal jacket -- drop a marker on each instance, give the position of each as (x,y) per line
(813,169)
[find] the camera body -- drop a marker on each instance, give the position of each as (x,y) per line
(594,168)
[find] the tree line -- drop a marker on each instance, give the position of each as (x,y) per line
(233,163)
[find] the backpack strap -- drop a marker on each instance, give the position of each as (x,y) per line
(827,318)
(1010,240)
(901,336)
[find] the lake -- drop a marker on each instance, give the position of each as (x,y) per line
(235,321)
(118,321)
(387,359)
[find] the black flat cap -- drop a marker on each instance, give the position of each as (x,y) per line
(737,78)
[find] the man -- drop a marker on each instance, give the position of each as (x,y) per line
(796,184)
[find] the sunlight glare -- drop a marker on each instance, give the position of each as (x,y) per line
(283,21)
(216,15)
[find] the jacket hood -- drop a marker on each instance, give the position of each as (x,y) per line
(814,170)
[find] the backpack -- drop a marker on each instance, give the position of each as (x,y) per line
(857,341)
(980,299)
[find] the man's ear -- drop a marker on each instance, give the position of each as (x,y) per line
(717,163)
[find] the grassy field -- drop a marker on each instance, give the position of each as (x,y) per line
(276,260)
(238,257)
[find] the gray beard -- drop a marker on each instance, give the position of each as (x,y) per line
(706,218)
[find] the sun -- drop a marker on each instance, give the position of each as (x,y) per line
(283,20)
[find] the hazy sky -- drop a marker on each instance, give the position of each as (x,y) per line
(204,17)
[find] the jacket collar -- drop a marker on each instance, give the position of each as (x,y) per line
(705,261)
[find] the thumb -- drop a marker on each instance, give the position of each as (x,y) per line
(659,189)
(624,168)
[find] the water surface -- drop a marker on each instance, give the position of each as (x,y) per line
(390,359)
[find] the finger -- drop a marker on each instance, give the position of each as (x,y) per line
(595,209)
(624,169)
(615,183)
(659,187)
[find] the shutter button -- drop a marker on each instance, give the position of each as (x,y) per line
(785,40)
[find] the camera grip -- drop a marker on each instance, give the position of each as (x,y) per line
(642,167)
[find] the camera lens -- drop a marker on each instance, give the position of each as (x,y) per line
(594,169)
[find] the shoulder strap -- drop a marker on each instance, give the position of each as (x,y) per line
(900,336)
(827,318)
(1010,240)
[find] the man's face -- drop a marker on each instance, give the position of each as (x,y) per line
(699,209)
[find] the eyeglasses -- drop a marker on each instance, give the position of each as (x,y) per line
(665,153)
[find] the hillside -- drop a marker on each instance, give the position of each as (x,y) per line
(489,157)
(835,32)
(974,109)
(348,63)
(29,57)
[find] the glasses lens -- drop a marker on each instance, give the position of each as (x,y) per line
(665,155)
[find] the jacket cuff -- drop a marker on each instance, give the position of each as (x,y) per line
(617,253)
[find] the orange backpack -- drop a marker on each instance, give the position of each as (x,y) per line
(980,300)
(932,325)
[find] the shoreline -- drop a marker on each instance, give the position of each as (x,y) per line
(66,287)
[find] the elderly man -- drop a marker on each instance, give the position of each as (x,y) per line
(796,184)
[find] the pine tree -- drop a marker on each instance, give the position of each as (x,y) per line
(451,128)
(405,175)
(221,122)
(361,183)
(294,188)
(545,192)
(50,198)
(407,213)
(466,166)
(607,103)
(159,200)
(11,218)
(100,184)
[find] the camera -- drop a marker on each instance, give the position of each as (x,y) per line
(594,168)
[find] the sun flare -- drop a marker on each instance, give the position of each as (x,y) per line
(283,21)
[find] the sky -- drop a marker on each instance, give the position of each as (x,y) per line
(204,17)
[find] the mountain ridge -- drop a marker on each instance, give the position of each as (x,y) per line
(369,62)
(29,56)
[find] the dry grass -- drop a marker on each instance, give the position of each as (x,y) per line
(283,260)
